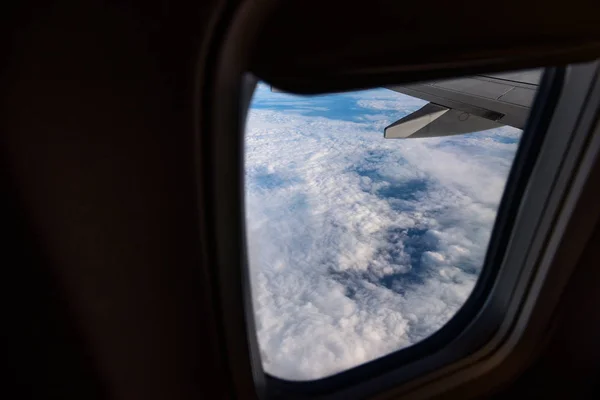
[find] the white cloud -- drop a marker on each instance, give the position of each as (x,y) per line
(391,104)
(360,246)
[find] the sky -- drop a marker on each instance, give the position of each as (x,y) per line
(358,245)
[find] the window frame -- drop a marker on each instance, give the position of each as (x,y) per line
(490,336)
(521,168)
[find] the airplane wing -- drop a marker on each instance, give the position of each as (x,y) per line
(467,105)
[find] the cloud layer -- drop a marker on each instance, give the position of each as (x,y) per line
(360,246)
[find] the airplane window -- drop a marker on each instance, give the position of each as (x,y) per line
(369,213)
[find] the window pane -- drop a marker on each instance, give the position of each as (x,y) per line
(359,245)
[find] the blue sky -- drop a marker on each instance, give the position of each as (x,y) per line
(360,246)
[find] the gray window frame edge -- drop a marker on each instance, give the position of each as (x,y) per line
(527,266)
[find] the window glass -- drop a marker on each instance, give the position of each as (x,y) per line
(359,245)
